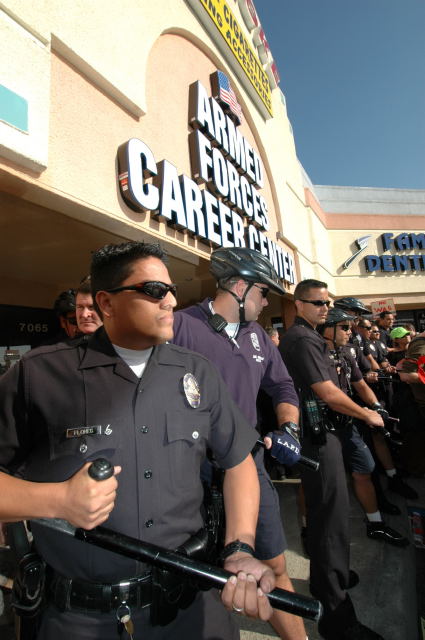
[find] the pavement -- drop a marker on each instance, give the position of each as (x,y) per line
(390,597)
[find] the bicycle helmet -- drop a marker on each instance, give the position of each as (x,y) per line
(250,265)
(352,304)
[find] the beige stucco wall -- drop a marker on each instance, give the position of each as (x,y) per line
(103,72)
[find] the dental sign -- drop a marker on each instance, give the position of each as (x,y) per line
(406,262)
(221,203)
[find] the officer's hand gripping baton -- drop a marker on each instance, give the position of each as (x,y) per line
(105,538)
(306,462)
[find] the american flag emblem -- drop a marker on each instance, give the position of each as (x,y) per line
(224,93)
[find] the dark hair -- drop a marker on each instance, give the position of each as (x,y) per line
(303,287)
(112,264)
(65,303)
(84,286)
(385,313)
(362,325)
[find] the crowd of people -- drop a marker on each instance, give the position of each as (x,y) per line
(174,400)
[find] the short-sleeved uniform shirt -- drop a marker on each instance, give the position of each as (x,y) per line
(363,344)
(309,361)
(378,350)
(247,363)
(360,357)
(307,356)
(68,403)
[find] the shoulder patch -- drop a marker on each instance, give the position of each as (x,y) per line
(255,342)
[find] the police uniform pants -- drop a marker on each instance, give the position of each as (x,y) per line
(205,619)
(328,540)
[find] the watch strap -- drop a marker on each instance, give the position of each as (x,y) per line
(234,547)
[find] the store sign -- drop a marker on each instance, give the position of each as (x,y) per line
(379,306)
(221,203)
(395,261)
(262,75)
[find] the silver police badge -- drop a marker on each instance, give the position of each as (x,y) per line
(191,390)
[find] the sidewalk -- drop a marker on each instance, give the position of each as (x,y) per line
(386,597)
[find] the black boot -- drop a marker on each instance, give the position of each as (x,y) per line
(380,531)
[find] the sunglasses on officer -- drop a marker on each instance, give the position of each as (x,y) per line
(152,288)
(264,290)
(317,303)
(344,327)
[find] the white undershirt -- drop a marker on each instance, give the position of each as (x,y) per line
(231,328)
(135,359)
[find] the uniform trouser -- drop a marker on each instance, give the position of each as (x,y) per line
(328,540)
(205,619)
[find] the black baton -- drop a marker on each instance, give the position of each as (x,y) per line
(124,545)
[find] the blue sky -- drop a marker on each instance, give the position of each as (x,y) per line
(353,74)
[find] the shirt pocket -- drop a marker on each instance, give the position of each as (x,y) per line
(71,447)
(187,437)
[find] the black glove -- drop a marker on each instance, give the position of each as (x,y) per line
(285,444)
(377,406)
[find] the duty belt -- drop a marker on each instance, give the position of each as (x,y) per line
(68,594)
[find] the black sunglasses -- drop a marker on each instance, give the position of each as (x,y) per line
(344,327)
(153,289)
(318,303)
(264,290)
(362,326)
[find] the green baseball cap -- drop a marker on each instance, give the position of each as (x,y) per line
(399,332)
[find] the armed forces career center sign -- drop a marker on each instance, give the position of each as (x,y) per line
(229,209)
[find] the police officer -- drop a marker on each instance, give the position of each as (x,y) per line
(151,408)
(362,346)
(357,456)
(363,354)
(311,366)
(225,331)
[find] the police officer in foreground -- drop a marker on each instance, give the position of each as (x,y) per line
(151,408)
(307,357)
(224,329)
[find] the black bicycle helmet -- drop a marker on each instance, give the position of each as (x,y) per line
(65,302)
(352,304)
(250,265)
(334,316)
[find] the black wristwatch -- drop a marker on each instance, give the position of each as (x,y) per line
(235,546)
(293,428)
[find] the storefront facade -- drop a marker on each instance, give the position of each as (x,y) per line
(121,127)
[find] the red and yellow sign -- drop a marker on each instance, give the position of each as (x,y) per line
(233,34)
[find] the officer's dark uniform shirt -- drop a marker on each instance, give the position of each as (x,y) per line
(385,337)
(255,357)
(348,371)
(363,344)
(356,352)
(65,404)
(307,356)
(378,350)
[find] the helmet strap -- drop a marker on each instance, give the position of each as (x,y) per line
(240,301)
